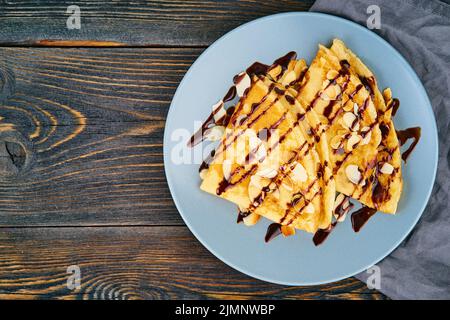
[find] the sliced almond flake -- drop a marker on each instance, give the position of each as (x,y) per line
(387,168)
(243,85)
(299,173)
(267,173)
(353,174)
(339,199)
(366,139)
(372,112)
(352,141)
(332,92)
(226,169)
(355,108)
(348,106)
(348,119)
(336,142)
(215,133)
(338,90)
(290,77)
(261,153)
(219,111)
(239,120)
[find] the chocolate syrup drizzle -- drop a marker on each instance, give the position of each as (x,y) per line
(257,69)
(322,234)
(273,231)
(242,216)
(361,216)
(405,135)
(210,122)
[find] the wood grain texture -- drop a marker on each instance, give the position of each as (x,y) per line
(92,123)
(136,23)
(81,172)
(135,263)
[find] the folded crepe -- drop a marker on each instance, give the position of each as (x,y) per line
(363,145)
(273,159)
(298,135)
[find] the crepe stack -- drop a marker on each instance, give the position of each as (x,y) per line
(298,135)
(269,163)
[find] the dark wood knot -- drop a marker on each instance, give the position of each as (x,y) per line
(16,152)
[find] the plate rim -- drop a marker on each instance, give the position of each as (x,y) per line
(434,135)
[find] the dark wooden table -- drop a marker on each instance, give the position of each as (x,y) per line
(81,166)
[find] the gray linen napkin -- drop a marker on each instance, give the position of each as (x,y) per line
(420,29)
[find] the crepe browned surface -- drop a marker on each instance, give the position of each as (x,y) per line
(285,175)
(366,161)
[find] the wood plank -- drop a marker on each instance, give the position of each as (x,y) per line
(92,122)
(135,263)
(137,23)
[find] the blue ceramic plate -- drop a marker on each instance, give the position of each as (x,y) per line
(295,260)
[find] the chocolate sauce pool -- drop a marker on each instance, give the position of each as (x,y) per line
(361,216)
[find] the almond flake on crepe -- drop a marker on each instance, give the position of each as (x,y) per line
(355,108)
(348,106)
(366,139)
(353,174)
(352,141)
(387,168)
(290,77)
(339,200)
(215,133)
(348,119)
(243,84)
(261,153)
(336,142)
(299,173)
(267,173)
(226,169)
(218,111)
